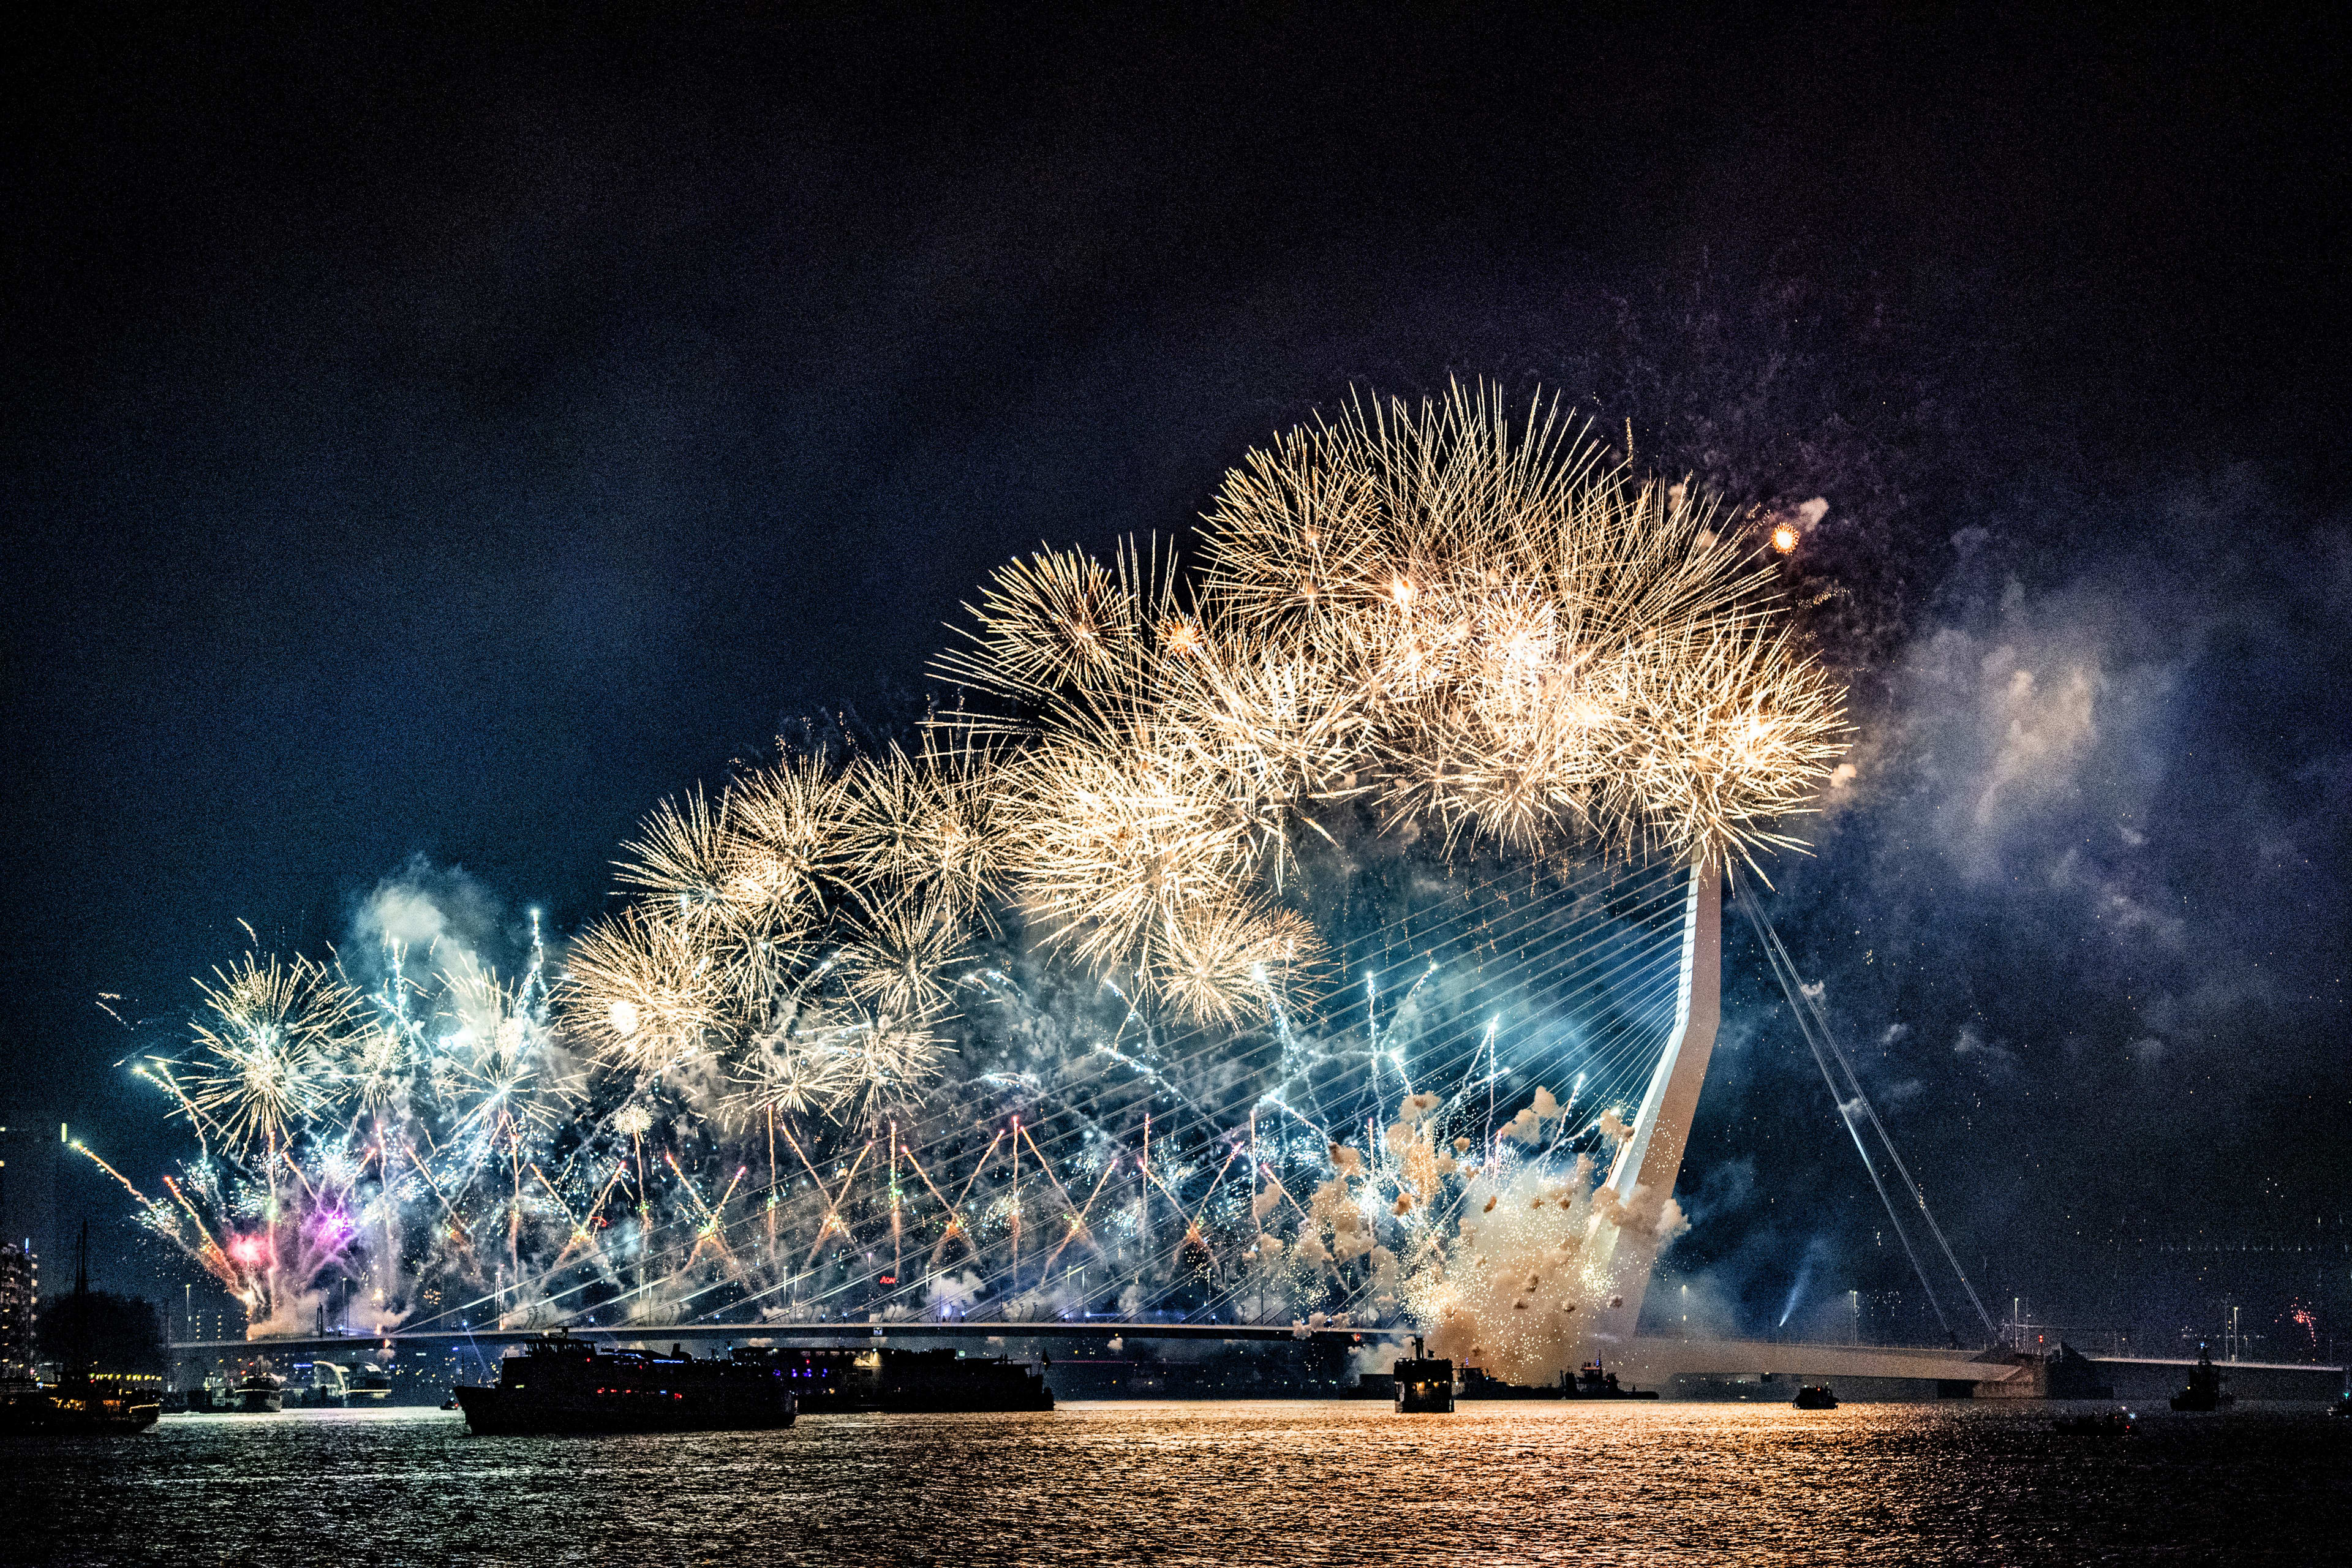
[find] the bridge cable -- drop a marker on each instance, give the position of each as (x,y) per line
(1813,1023)
(1533,915)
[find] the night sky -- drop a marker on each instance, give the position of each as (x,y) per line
(432,439)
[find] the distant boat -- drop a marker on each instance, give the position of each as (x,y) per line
(1815,1396)
(327,1387)
(1425,1384)
(259,1393)
(2204,1390)
(1594,1382)
(1477,1383)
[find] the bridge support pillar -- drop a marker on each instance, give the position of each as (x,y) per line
(1625,1239)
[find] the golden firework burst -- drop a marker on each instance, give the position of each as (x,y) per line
(273,1037)
(1233,961)
(643,992)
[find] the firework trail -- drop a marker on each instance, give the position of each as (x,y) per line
(1217,956)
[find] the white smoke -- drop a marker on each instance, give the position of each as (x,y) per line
(437,916)
(2057,708)
(1505,1264)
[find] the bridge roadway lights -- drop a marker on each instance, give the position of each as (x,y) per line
(792,1333)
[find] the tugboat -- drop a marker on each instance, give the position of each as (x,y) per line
(1593,1383)
(1424,1385)
(2204,1390)
(562,1384)
(2106,1423)
(1815,1396)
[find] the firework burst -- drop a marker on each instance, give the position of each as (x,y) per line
(642,993)
(927,824)
(271,1038)
(1229,960)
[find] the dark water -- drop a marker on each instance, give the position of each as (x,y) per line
(1272,1483)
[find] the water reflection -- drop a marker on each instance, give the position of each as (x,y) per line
(1270,1483)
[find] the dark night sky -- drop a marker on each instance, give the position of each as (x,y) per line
(427,437)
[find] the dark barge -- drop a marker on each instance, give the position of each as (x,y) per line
(1592,1381)
(562,1384)
(836,1379)
(559,1384)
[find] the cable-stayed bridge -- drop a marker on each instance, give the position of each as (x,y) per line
(1639,967)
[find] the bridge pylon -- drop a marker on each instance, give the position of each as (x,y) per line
(1641,1181)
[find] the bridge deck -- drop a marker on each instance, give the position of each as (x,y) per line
(1647,1361)
(1655,1361)
(750,1334)
(2224,1365)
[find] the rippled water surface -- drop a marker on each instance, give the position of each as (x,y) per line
(1274,1483)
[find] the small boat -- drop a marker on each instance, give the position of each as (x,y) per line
(259,1393)
(2106,1423)
(1815,1396)
(1425,1384)
(2204,1390)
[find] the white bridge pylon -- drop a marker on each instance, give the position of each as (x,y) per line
(1641,1181)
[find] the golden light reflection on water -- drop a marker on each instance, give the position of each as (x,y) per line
(1271,1482)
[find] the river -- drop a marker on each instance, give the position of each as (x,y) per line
(1291,1482)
